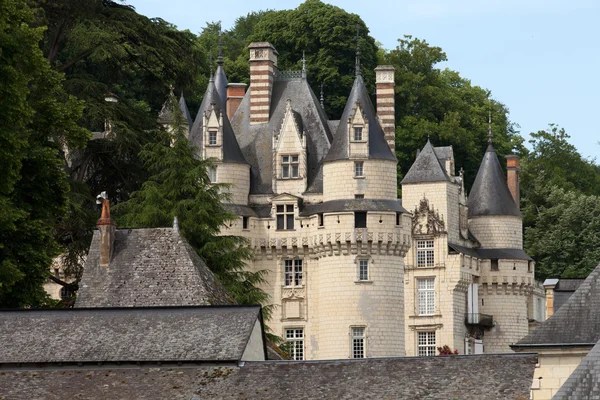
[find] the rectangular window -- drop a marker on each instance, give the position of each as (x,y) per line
(358,169)
(285,217)
(398,216)
(358,136)
(245,222)
(359,196)
(293,272)
(212,138)
(360,219)
(426,343)
(321,219)
(289,166)
(426,296)
(425,253)
(358,342)
(212,174)
(494,265)
(295,337)
(363,270)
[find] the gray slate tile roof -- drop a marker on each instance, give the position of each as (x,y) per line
(221,81)
(482,377)
(352,205)
(149,267)
(166,113)
(231,148)
(489,254)
(427,167)
(489,194)
(378,147)
(584,382)
(577,322)
(162,334)
(256,140)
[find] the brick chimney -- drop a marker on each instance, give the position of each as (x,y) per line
(235,94)
(384,80)
(512,177)
(263,64)
(107,228)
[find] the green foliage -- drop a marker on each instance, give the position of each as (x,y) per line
(179,187)
(37,119)
(564,238)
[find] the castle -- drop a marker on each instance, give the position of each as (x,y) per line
(354,271)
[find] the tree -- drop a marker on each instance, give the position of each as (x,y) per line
(179,187)
(37,120)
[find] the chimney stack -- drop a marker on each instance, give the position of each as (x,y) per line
(384,80)
(263,64)
(235,94)
(512,178)
(107,228)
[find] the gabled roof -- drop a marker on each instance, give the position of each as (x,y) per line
(444,153)
(378,147)
(577,322)
(256,140)
(426,168)
(162,334)
(149,267)
(489,194)
(231,148)
(475,377)
(166,113)
(584,382)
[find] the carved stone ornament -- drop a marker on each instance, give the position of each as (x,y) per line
(427,221)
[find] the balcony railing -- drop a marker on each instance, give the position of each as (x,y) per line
(479,319)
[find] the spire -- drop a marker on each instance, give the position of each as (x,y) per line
(357,62)
(220,51)
(210,64)
(322,99)
(303,65)
(490,137)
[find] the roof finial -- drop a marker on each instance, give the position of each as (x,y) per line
(322,99)
(210,63)
(303,65)
(171,88)
(490,122)
(220,53)
(357,66)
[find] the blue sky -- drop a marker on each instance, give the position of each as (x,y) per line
(539,57)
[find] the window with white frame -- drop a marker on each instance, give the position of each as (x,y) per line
(212,174)
(289,166)
(295,338)
(285,216)
(426,343)
(426,296)
(425,253)
(212,138)
(359,169)
(363,270)
(358,341)
(293,272)
(358,133)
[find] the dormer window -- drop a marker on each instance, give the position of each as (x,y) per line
(285,217)
(212,138)
(289,166)
(358,169)
(358,133)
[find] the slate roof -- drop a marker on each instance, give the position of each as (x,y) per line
(378,147)
(163,334)
(427,167)
(149,267)
(489,194)
(231,149)
(577,322)
(477,377)
(221,81)
(352,205)
(166,113)
(489,254)
(568,285)
(256,140)
(444,153)
(584,382)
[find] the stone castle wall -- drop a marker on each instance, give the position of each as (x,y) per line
(379,181)
(498,231)
(238,175)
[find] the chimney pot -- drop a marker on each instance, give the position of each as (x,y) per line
(512,177)
(107,228)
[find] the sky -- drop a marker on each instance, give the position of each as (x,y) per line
(540,58)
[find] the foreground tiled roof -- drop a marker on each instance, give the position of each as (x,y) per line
(149,267)
(489,377)
(427,167)
(584,382)
(577,322)
(162,334)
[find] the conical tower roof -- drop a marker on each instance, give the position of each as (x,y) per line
(489,194)
(426,168)
(165,116)
(185,110)
(378,147)
(231,148)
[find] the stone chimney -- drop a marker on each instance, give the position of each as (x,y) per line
(263,64)
(235,94)
(107,228)
(384,80)
(512,178)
